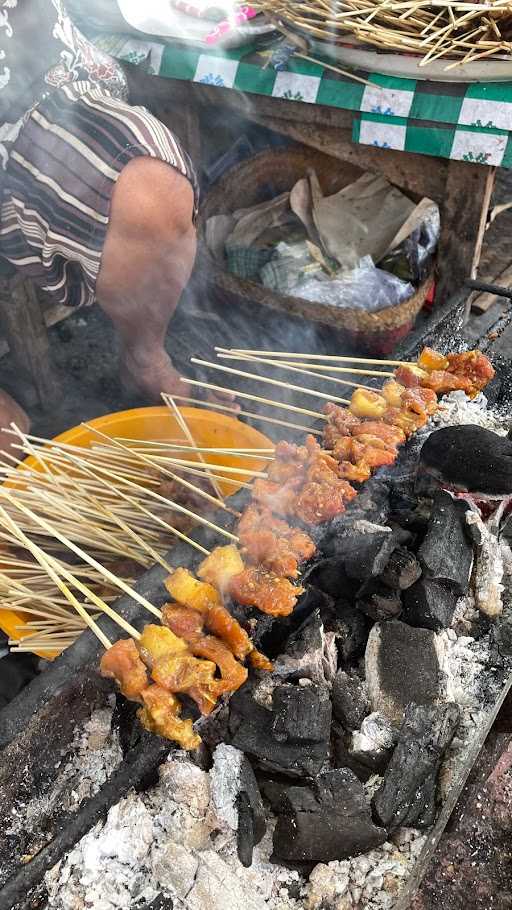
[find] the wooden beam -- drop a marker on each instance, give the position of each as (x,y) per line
(25,331)
(481,302)
(463,219)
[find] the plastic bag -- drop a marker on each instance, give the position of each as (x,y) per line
(365,287)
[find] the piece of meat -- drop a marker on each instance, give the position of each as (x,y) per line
(472,365)
(260,662)
(354,473)
(123,663)
(396,417)
(392,392)
(271,551)
(220,622)
(280,499)
(377,428)
(187,590)
(366,403)
(319,502)
(420,401)
(257,587)
(183,621)
(410,376)
(157,641)
(432,360)
(189,675)
(233,675)
(160,715)
(220,566)
(272,542)
(442,382)
(339,418)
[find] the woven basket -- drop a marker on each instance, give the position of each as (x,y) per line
(262,177)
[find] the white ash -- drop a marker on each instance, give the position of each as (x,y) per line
(372,881)
(466,664)
(96,753)
(456,409)
(173,840)
(376,734)
(224,783)
(489,569)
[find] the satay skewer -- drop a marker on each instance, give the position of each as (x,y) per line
(267,380)
(297,368)
(208,405)
(269,401)
(330,357)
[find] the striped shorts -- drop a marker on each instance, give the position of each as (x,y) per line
(57,189)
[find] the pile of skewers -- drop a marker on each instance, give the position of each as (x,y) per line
(199,649)
(431,28)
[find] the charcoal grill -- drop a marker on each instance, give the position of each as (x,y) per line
(39,725)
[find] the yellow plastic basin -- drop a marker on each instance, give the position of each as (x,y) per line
(157,424)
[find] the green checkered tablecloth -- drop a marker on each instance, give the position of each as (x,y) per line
(465,122)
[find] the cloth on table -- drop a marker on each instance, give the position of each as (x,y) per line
(60,176)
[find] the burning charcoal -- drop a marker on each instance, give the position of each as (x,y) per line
(407,796)
(251,729)
(327,820)
(350,702)
(302,714)
(236,799)
(401,666)
(402,570)
(310,653)
(377,601)
(430,604)
(446,553)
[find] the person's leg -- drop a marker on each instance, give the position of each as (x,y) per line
(146,262)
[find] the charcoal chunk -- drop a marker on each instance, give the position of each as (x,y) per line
(402,570)
(252,823)
(377,601)
(251,729)
(310,653)
(344,758)
(470,458)
(408,793)
(350,702)
(430,604)
(302,714)
(446,553)
(351,628)
(402,666)
(364,549)
(372,744)
(327,820)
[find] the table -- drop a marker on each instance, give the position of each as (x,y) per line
(435,139)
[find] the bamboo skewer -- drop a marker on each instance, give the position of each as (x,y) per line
(269,401)
(330,357)
(48,567)
(297,367)
(80,553)
(268,381)
(197,490)
(282,364)
(186,430)
(251,414)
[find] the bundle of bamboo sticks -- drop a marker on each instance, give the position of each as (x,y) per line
(433,29)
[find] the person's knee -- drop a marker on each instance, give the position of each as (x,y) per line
(153,201)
